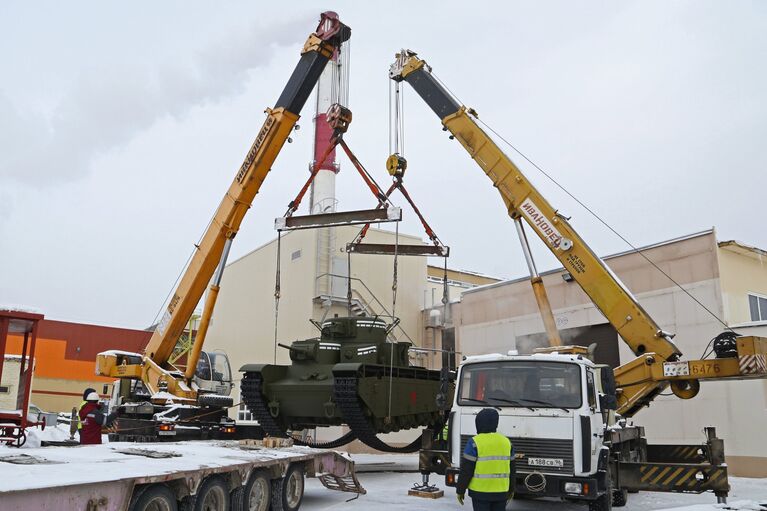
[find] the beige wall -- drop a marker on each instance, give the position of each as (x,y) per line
(243,321)
(489,319)
(11,367)
(743,272)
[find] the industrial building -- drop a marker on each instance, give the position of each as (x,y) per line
(65,359)
(728,278)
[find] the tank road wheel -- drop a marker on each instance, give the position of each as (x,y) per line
(620,498)
(256,493)
(212,495)
(288,492)
(157,497)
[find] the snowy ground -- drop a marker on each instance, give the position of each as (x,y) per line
(387,479)
(388,490)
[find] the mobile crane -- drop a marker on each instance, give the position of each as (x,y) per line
(149,381)
(557,406)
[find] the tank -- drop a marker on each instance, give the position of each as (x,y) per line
(352,374)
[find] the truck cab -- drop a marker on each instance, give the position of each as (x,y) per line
(549,406)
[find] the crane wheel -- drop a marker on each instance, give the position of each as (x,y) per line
(215,400)
(685,389)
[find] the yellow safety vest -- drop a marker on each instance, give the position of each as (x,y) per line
(444,434)
(79,422)
(491,472)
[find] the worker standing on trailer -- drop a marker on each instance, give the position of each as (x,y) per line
(82,404)
(487,466)
(92,419)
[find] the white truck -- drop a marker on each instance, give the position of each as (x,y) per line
(557,408)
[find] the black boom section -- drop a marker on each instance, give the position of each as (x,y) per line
(302,81)
(438,99)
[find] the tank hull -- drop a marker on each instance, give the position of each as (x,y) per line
(352,375)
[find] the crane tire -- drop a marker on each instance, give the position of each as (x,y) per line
(620,498)
(214,400)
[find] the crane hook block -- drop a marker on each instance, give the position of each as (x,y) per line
(339,117)
(396,165)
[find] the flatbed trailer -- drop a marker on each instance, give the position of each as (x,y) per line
(186,475)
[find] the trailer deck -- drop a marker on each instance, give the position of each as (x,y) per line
(104,477)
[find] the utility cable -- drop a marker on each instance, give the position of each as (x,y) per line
(603,222)
(183,269)
(592,212)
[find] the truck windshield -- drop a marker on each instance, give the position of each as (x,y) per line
(526,384)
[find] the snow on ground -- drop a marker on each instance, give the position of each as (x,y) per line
(386,478)
(389,490)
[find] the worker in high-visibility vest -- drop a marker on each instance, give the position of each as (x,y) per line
(443,438)
(82,404)
(487,466)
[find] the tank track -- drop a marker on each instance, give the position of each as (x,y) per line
(252,385)
(345,394)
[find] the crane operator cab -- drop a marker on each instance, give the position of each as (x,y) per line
(213,373)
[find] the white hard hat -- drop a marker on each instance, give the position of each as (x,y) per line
(93,396)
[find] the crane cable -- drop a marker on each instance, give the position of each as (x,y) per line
(590,211)
(277,293)
(397,133)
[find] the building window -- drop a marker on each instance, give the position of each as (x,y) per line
(243,414)
(295,255)
(5,390)
(758,306)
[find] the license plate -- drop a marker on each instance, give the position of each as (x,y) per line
(546,462)
(676,369)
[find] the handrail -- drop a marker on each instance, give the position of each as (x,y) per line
(388,314)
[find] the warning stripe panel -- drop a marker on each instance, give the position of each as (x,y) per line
(752,364)
(688,478)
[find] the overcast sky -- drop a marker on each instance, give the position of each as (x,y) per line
(122,124)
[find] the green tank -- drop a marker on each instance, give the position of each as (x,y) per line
(350,375)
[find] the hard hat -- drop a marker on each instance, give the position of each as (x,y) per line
(93,396)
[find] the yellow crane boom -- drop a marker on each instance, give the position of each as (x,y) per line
(656,367)
(210,253)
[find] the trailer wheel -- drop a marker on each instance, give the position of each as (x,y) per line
(288,492)
(620,498)
(255,494)
(213,495)
(157,497)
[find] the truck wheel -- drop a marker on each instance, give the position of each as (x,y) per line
(288,492)
(620,498)
(157,497)
(605,501)
(256,493)
(213,495)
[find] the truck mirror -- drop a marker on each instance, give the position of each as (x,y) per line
(609,399)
